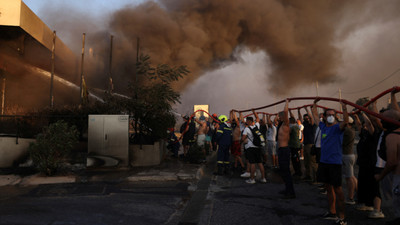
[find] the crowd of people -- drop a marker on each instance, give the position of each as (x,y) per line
(325,143)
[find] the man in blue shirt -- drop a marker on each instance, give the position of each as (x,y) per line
(330,167)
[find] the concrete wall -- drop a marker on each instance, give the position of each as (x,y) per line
(10,151)
(149,155)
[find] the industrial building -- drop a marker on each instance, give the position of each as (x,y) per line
(26,65)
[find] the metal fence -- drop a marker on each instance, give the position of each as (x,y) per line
(28,126)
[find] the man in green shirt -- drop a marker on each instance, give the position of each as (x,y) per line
(295,146)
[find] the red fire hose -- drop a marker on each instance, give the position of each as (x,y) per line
(360,108)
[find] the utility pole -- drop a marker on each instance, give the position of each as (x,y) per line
(136,85)
(82,60)
(340,98)
(52,70)
(110,85)
(137,56)
(3,90)
(316,87)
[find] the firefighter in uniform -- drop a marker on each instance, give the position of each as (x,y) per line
(224,140)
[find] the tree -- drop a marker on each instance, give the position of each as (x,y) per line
(152,98)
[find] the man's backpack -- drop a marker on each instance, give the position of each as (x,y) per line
(382,147)
(258,138)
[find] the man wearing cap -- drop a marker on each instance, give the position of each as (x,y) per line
(254,154)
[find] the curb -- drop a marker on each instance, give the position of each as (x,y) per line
(37,179)
(191,174)
(9,180)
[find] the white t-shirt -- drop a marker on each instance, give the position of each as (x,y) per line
(249,135)
(271,133)
(380,163)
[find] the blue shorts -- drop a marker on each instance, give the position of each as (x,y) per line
(208,138)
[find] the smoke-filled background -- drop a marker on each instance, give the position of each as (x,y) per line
(241,54)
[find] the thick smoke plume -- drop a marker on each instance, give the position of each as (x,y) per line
(298,36)
(301,38)
(331,41)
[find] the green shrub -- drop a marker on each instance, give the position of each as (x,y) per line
(52,146)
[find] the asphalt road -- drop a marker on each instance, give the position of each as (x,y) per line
(212,200)
(232,201)
(94,204)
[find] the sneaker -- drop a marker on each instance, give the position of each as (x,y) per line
(250,181)
(263,180)
(363,207)
(329,216)
(376,214)
(341,221)
(245,175)
(350,201)
(323,192)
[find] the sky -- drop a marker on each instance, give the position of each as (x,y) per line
(349,47)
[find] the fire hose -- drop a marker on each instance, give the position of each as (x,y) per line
(358,107)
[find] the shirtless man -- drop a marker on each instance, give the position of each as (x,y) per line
(393,157)
(201,133)
(236,146)
(284,153)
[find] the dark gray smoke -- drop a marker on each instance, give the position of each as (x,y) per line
(297,35)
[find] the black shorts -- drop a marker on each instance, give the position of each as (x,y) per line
(254,155)
(330,174)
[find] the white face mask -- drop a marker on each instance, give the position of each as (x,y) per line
(168,132)
(330,119)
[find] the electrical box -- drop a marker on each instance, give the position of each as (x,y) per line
(108,138)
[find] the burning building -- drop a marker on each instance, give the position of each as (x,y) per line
(26,45)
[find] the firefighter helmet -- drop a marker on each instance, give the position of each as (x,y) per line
(223,118)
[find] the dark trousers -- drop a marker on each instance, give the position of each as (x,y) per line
(223,154)
(296,161)
(284,169)
(175,149)
(367,185)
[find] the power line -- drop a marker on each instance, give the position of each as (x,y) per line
(390,75)
(334,93)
